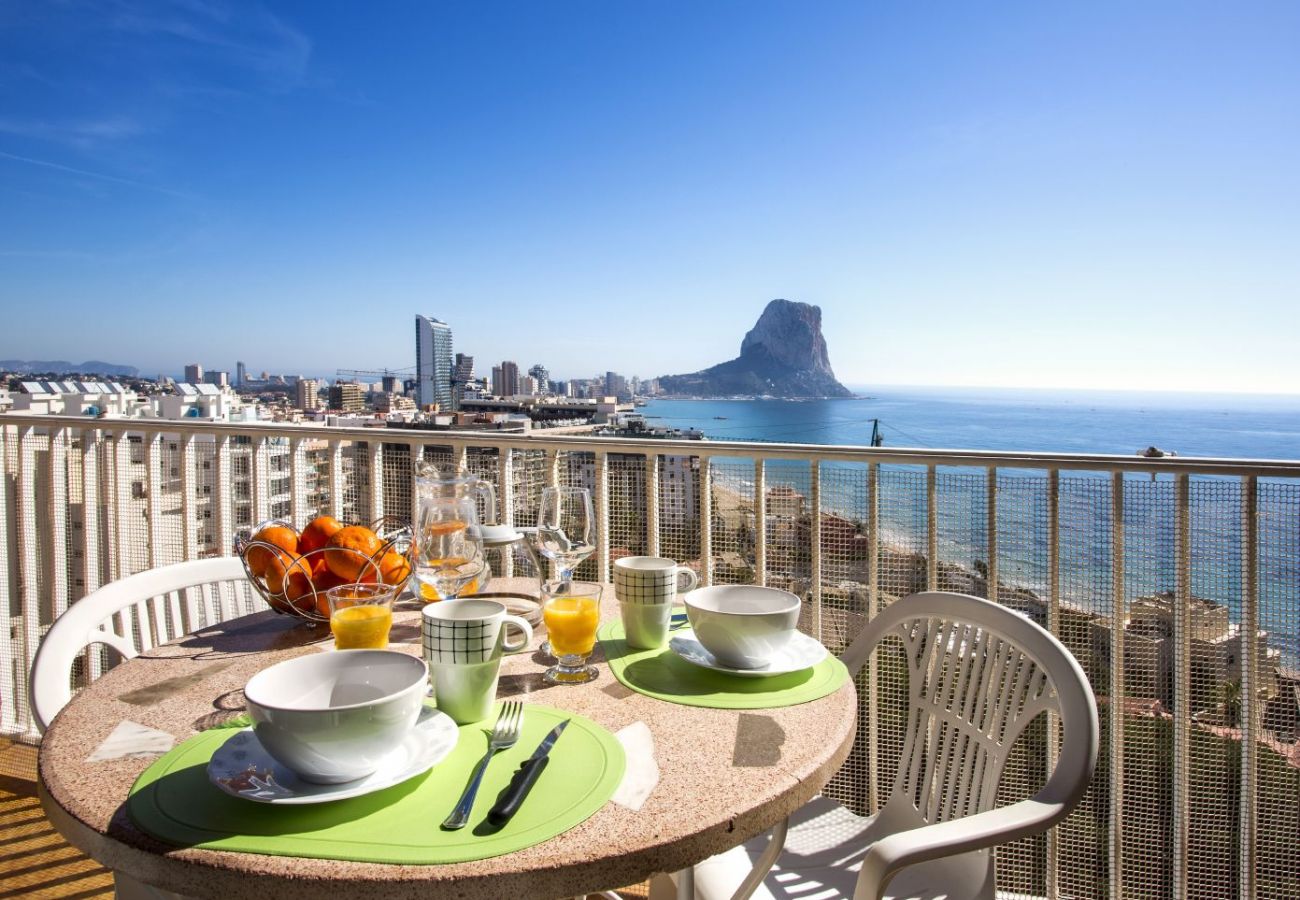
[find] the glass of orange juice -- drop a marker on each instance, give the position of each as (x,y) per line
(361,615)
(571,611)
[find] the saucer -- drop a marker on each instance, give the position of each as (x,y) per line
(242,768)
(801,652)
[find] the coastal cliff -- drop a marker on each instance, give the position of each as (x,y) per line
(783,355)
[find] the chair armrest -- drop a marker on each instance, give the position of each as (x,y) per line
(978,832)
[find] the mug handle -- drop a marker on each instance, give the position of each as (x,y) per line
(692,580)
(523,626)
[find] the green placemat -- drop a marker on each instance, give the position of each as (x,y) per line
(174,801)
(666,676)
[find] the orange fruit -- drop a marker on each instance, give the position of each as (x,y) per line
(318,533)
(259,558)
(284,568)
(349,550)
(394,568)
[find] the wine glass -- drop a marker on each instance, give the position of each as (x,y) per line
(566,532)
(566,528)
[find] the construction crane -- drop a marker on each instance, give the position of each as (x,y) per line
(374,373)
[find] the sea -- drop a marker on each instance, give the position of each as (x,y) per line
(1253,427)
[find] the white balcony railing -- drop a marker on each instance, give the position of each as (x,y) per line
(1176,582)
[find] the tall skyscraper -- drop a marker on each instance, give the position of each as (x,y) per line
(461,376)
(505,379)
(240,374)
(433,363)
(543,377)
(308,394)
(194,374)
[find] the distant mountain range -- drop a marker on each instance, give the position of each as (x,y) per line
(63,367)
(783,355)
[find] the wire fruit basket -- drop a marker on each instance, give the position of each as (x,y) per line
(294,584)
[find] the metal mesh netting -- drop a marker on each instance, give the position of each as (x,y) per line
(733,521)
(1186,749)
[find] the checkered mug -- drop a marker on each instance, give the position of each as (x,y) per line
(647,587)
(464,632)
(651,579)
(463,642)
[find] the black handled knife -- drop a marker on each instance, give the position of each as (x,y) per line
(523,780)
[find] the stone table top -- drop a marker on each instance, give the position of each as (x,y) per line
(725,775)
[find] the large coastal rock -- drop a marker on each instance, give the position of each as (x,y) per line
(783,355)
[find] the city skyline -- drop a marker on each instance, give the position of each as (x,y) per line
(1089,197)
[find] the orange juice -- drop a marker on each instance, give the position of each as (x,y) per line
(571,624)
(362,627)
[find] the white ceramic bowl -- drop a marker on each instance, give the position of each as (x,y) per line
(742,625)
(331,717)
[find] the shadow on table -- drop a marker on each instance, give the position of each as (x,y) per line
(258,633)
(668,673)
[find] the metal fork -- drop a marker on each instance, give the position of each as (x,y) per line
(504,734)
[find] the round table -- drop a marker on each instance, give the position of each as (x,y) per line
(725,775)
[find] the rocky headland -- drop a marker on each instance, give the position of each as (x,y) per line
(783,355)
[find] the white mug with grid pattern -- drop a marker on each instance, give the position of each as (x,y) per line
(463,643)
(647,587)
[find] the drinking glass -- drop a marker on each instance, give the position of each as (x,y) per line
(566,528)
(361,615)
(448,558)
(571,611)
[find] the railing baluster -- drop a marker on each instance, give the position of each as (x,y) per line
(1250,706)
(120,492)
(1118,605)
(991,494)
(29,542)
(931,531)
(1052,885)
(706,521)
(261,476)
(335,476)
(298,508)
(1182,679)
(873,608)
(506,497)
(815,473)
(189,501)
(10,717)
(223,509)
(652,504)
(602,516)
(760,521)
(375,458)
(153,496)
(56,496)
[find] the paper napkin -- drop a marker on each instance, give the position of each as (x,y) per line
(641,773)
(132,740)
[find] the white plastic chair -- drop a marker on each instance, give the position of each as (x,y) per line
(978,674)
(162,604)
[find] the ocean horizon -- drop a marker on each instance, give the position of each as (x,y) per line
(1242,426)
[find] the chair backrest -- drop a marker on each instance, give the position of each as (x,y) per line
(978,674)
(152,608)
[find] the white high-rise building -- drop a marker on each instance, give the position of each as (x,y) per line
(194,373)
(433,363)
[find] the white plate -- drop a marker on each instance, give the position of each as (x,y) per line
(242,768)
(802,652)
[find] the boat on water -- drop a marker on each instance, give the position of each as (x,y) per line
(719,417)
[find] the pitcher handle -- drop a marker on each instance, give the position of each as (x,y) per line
(485,487)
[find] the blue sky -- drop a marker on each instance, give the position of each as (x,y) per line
(1080,195)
